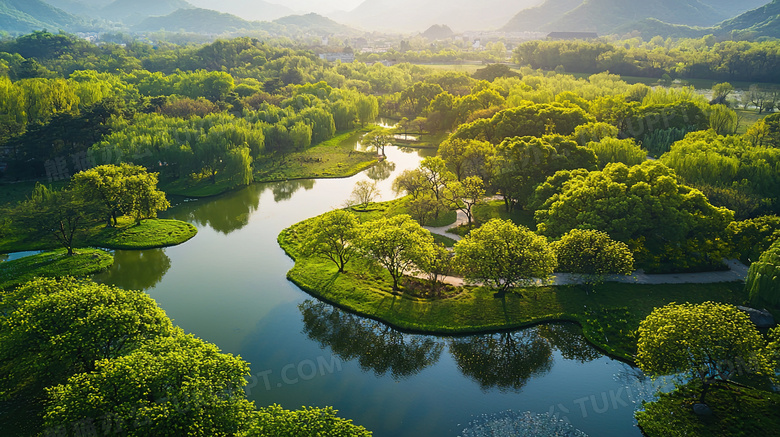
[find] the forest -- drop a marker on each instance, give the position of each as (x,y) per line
(659,178)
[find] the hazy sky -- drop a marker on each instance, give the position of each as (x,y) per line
(319,6)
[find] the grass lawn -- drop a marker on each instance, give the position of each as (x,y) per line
(748,118)
(737,411)
(149,234)
(334,158)
(54,264)
(609,317)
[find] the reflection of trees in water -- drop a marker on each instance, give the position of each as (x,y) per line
(225,214)
(136,269)
(381,170)
(376,346)
(568,339)
(512,423)
(285,190)
(505,360)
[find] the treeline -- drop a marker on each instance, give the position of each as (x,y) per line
(699,59)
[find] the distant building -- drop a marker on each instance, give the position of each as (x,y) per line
(343,57)
(572,35)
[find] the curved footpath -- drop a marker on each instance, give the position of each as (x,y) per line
(737,271)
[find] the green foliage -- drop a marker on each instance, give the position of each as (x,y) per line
(737,411)
(306,422)
(174,385)
(521,164)
(763,280)
(610,150)
(711,341)
(467,158)
(62,215)
(594,132)
(333,235)
(493,71)
(752,237)
(593,255)
(504,255)
(527,119)
(707,158)
(723,120)
(667,225)
(395,243)
(54,329)
(691,58)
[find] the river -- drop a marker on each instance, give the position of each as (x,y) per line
(228,286)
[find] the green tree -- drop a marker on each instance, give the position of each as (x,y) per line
(668,225)
(364,193)
(723,120)
(397,244)
(763,280)
(63,215)
(142,198)
(713,342)
(174,385)
(466,157)
(332,235)
(466,194)
(306,422)
(52,329)
(367,109)
(108,185)
(504,255)
(378,138)
(592,255)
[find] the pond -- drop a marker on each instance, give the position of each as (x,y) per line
(228,286)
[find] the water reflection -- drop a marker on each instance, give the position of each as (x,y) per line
(136,269)
(381,170)
(568,339)
(285,190)
(377,347)
(226,213)
(504,360)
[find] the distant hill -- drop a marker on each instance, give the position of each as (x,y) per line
(438,31)
(666,17)
(604,16)
(732,8)
(315,24)
(763,21)
(534,19)
(24,16)
(413,15)
(80,7)
(194,20)
(132,12)
(253,10)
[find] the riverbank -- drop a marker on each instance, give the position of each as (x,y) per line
(609,317)
(736,411)
(54,264)
(149,234)
(334,158)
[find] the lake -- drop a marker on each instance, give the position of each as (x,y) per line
(228,286)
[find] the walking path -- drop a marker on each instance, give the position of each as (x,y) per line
(737,271)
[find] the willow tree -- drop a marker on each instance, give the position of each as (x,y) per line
(763,280)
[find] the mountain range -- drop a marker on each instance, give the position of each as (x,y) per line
(605,16)
(251,10)
(23,16)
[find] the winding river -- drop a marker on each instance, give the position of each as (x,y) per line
(228,286)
